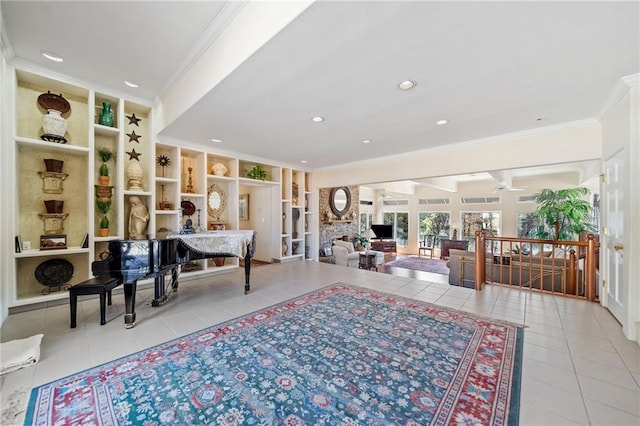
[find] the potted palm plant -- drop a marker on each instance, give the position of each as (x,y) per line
(103,207)
(565,213)
(105,155)
(361,242)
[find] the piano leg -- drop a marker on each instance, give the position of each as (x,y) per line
(130,304)
(247,273)
(174,278)
(160,291)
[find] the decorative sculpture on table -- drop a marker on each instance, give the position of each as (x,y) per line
(138,219)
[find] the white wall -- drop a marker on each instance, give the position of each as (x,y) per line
(525,149)
(260,218)
(6,247)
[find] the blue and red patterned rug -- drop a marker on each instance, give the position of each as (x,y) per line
(341,355)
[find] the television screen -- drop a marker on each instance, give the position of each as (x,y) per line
(383,232)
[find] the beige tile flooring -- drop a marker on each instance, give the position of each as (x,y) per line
(578,367)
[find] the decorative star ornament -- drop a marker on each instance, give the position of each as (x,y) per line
(133,155)
(133,119)
(133,136)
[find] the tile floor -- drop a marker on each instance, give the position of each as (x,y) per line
(578,367)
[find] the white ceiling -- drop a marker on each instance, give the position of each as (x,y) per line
(490,68)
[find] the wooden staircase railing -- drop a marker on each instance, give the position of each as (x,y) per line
(566,268)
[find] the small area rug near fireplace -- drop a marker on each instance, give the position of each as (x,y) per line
(421,264)
(340,355)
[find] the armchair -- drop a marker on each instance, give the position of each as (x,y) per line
(345,254)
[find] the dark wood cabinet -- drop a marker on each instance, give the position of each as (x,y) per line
(446,245)
(384,245)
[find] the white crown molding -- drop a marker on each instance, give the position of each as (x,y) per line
(632,80)
(619,91)
(7,47)
(217,26)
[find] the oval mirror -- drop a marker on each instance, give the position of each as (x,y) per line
(216,201)
(340,200)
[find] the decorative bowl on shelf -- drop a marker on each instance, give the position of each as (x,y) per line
(54,206)
(53,165)
(52,101)
(188,208)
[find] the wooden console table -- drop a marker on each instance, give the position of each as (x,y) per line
(384,245)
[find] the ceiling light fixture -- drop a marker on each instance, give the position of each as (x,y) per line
(366,141)
(52,56)
(131,83)
(407,85)
(216,140)
(317,119)
(539,119)
(442,122)
(304,161)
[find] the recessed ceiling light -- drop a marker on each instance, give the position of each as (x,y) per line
(442,122)
(317,119)
(52,56)
(407,85)
(304,161)
(131,83)
(539,119)
(216,140)
(366,141)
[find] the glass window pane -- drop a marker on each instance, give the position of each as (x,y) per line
(434,223)
(402,229)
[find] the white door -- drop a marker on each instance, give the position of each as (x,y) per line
(616,297)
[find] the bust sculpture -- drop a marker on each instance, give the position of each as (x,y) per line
(138,219)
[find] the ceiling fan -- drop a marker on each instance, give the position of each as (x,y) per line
(505,186)
(504,178)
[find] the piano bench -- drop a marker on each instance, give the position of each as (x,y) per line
(101,285)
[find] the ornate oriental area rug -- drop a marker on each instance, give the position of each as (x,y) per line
(421,264)
(341,355)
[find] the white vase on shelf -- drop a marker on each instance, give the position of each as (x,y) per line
(219,169)
(53,123)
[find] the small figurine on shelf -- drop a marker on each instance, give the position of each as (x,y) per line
(106,117)
(105,154)
(163,161)
(138,219)
(188,227)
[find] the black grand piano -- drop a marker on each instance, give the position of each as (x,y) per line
(161,259)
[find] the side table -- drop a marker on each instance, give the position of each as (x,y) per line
(367,261)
